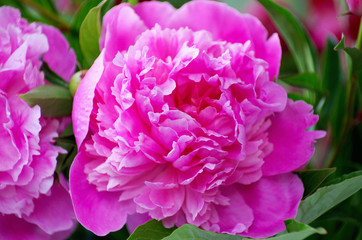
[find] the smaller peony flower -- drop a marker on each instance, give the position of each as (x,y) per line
(32,205)
(355,7)
(179,119)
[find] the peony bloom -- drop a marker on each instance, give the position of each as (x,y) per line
(32,205)
(179,119)
(355,7)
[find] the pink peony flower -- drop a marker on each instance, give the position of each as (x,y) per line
(23,46)
(179,119)
(32,206)
(355,7)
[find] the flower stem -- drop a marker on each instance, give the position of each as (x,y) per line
(60,23)
(359,38)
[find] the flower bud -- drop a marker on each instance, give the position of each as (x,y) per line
(75,80)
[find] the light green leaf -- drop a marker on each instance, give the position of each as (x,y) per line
(151,230)
(89,34)
(294,34)
(327,197)
(54,101)
(188,231)
(313,178)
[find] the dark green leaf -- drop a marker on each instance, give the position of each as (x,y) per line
(297,96)
(304,80)
(52,77)
(89,34)
(327,197)
(54,101)
(312,179)
(354,53)
(332,84)
(151,230)
(294,34)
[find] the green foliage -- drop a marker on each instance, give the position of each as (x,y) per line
(313,178)
(294,34)
(151,230)
(327,197)
(54,101)
(89,33)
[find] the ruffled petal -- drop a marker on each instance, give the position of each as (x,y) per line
(226,23)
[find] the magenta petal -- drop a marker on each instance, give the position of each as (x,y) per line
(118,34)
(226,23)
(293,146)
(134,220)
(53,213)
(236,217)
(59,57)
(100,212)
(83,99)
(155,12)
(14,228)
(273,199)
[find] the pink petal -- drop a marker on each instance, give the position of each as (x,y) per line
(226,23)
(121,26)
(293,146)
(83,99)
(273,199)
(14,228)
(100,212)
(59,57)
(53,213)
(154,12)
(134,220)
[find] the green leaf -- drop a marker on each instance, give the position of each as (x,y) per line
(54,101)
(304,80)
(327,197)
(294,34)
(297,96)
(151,230)
(82,13)
(52,77)
(89,34)
(188,231)
(313,178)
(354,53)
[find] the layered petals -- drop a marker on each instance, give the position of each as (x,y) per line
(178,121)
